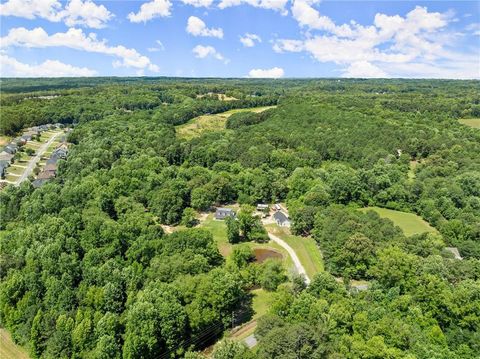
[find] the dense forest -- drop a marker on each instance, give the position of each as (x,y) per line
(87,270)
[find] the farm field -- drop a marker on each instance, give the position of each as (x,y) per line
(305,248)
(410,223)
(211,123)
(471,122)
(8,349)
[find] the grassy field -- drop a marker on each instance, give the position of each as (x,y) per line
(471,122)
(16,170)
(262,300)
(305,248)
(211,123)
(410,223)
(219,232)
(8,349)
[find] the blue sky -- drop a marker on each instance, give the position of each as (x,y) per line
(240,38)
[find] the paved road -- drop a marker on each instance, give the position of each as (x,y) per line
(34,160)
(293,255)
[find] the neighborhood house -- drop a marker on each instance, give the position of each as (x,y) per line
(222,213)
(281,219)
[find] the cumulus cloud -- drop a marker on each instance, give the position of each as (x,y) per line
(11,67)
(198,3)
(273,73)
(363,69)
(197,27)
(420,37)
(151,10)
(76,12)
(76,39)
(277,5)
(248,40)
(202,52)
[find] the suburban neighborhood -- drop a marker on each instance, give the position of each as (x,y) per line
(34,155)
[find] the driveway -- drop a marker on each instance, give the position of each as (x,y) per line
(293,255)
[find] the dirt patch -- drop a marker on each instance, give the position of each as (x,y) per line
(262,254)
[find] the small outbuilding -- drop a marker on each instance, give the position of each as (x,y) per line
(261,207)
(281,219)
(222,213)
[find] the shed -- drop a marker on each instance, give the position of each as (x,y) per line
(281,219)
(262,207)
(222,213)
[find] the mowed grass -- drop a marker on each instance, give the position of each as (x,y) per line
(305,247)
(410,223)
(261,302)
(219,233)
(8,349)
(471,122)
(211,123)
(16,170)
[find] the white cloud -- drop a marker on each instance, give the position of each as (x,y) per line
(420,37)
(159,47)
(363,69)
(11,67)
(76,39)
(151,10)
(76,12)
(197,27)
(474,28)
(273,73)
(86,13)
(202,52)
(277,5)
(248,40)
(198,3)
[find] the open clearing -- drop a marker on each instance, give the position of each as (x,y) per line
(211,123)
(471,122)
(8,349)
(305,248)
(409,223)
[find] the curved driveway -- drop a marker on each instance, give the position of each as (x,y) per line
(293,255)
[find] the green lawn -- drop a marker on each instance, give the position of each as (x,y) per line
(410,223)
(471,122)
(8,349)
(262,300)
(219,232)
(15,170)
(305,248)
(211,123)
(11,178)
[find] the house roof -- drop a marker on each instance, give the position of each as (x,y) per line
(280,217)
(224,212)
(5,156)
(50,167)
(46,175)
(39,182)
